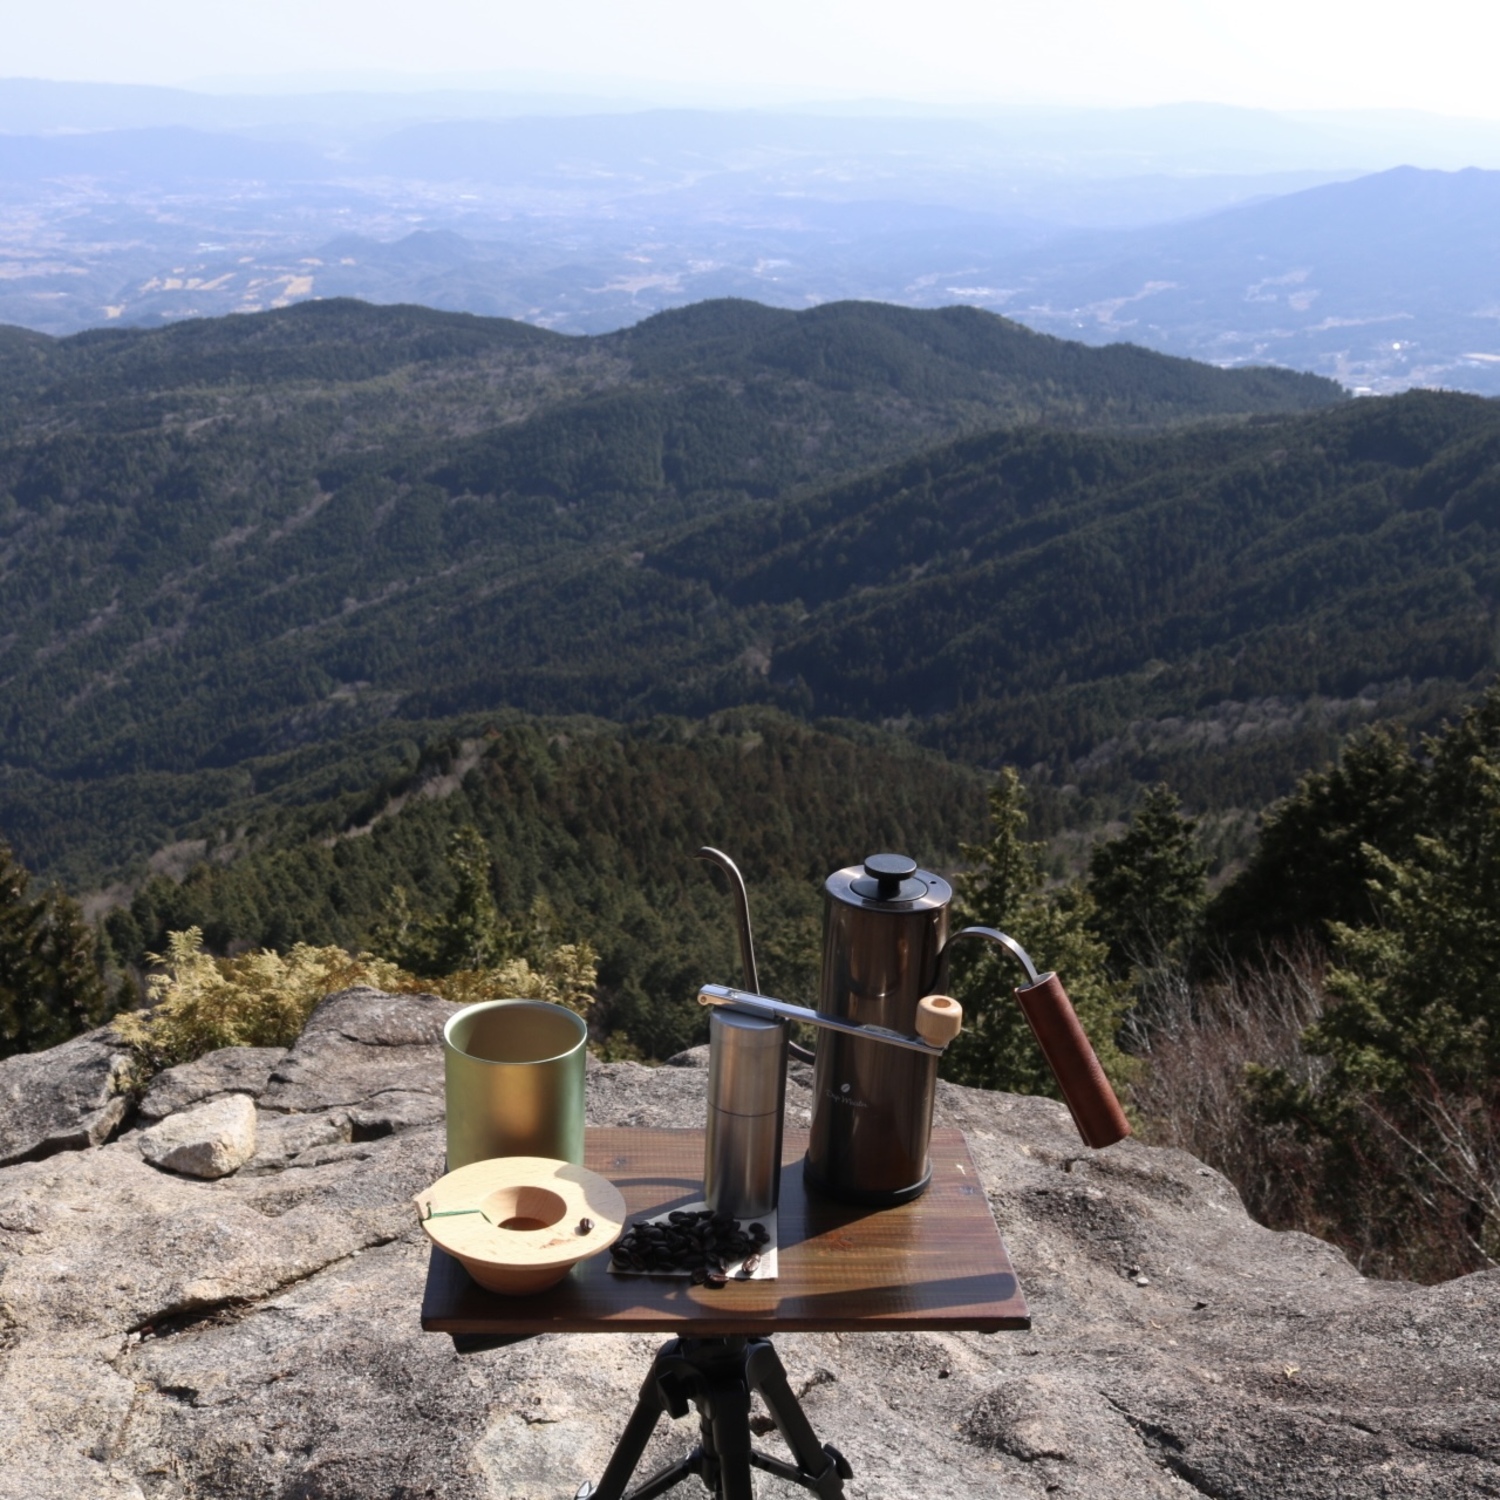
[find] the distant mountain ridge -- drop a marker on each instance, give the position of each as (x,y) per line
(1224,234)
(1389,280)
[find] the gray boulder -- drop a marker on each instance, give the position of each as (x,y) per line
(211,1140)
(163,1337)
(233,1070)
(366,1051)
(65,1099)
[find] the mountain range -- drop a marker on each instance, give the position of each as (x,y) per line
(1235,236)
(225,539)
(294,595)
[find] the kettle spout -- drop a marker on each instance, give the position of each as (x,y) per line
(741,910)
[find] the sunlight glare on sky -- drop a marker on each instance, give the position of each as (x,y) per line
(1308,54)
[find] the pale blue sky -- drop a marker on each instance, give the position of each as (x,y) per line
(1308,54)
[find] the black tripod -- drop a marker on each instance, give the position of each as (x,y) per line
(718,1375)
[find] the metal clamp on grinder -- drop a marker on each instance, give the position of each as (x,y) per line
(884,1023)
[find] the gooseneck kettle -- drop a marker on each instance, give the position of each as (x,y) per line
(882,1023)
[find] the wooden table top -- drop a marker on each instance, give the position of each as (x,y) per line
(935,1263)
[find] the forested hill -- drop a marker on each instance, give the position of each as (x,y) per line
(221,537)
(478,515)
(904,355)
(1064,597)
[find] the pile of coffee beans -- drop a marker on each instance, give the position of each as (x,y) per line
(700,1242)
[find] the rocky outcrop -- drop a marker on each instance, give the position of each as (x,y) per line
(256,1335)
(65,1099)
(235,1070)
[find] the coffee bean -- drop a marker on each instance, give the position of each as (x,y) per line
(699,1242)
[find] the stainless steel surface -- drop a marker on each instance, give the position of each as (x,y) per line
(513,1082)
(746,1105)
(765,1005)
(746,1063)
(742,911)
(885,926)
(1000,939)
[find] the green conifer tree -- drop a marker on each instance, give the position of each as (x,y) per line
(1005,888)
(50,987)
(1315,857)
(468,934)
(1149,886)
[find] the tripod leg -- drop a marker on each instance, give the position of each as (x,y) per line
(825,1468)
(648,1409)
(725,1408)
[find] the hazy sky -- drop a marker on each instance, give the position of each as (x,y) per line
(1436,54)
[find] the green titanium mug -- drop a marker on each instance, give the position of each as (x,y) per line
(513,1081)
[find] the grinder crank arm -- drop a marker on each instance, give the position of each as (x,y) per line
(938,1017)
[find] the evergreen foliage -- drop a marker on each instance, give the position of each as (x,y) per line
(1320,849)
(1394,1091)
(1149,886)
(468,934)
(1005,888)
(50,985)
(226,537)
(537,837)
(1418,987)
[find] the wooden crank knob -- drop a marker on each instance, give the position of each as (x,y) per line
(939,1019)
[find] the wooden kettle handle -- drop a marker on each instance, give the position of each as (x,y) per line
(1050,1014)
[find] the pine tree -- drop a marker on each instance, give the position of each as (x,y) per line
(469,934)
(50,987)
(1005,888)
(1317,850)
(1149,886)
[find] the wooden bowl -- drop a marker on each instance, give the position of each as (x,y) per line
(525,1235)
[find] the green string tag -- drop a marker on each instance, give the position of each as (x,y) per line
(450,1213)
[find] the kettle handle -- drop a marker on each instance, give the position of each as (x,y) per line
(1064,1043)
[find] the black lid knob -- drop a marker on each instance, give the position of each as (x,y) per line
(889,871)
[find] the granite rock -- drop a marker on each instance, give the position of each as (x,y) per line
(256,1336)
(232,1070)
(358,1046)
(65,1099)
(211,1140)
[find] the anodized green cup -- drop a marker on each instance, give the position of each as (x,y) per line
(513,1081)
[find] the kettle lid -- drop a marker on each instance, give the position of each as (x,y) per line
(887,880)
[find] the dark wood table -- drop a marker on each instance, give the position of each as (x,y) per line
(936,1263)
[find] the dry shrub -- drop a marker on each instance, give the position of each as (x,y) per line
(1407,1188)
(198,1003)
(1197,1041)
(1439,1155)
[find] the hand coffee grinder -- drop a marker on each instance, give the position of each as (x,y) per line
(883,1023)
